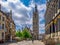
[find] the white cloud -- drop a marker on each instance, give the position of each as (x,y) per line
(42,7)
(21,10)
(42,26)
(14,1)
(18,15)
(21,13)
(32,4)
(29,22)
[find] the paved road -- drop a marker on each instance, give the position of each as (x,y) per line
(25,43)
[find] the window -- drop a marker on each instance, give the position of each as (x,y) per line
(50,0)
(2,26)
(53,28)
(59,4)
(2,18)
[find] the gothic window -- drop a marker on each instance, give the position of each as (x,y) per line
(2,18)
(2,26)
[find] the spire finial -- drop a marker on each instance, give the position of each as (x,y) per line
(36,7)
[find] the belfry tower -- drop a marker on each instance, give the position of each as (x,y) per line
(35,23)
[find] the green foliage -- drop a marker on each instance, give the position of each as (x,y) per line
(24,34)
(19,34)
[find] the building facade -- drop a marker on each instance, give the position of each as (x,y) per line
(7,26)
(52,19)
(35,23)
(2,26)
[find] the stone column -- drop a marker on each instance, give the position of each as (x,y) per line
(55,27)
(50,30)
(58,27)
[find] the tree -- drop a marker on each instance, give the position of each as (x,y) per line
(19,34)
(26,33)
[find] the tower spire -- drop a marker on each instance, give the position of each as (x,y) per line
(0,6)
(36,7)
(35,22)
(11,14)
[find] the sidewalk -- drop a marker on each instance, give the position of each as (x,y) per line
(36,42)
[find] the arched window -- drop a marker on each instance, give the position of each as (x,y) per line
(53,28)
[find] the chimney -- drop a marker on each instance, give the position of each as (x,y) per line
(0,6)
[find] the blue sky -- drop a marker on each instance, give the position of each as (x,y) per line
(23,11)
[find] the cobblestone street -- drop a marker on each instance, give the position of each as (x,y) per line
(25,43)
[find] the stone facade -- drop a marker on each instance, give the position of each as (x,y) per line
(35,23)
(52,18)
(7,25)
(2,26)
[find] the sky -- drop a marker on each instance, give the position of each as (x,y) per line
(22,12)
